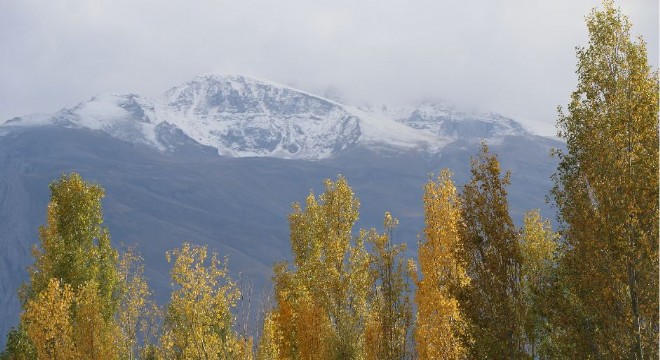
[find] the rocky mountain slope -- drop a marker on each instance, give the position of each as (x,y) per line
(220,159)
(243,117)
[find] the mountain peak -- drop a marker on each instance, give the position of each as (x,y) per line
(450,121)
(241,116)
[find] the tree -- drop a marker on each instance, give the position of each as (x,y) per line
(538,248)
(606,192)
(389,321)
(93,335)
(75,253)
(135,306)
(442,330)
(268,347)
(322,296)
(492,300)
(48,323)
(74,246)
(199,321)
(66,324)
(19,345)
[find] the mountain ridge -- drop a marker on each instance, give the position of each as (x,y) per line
(241,116)
(164,186)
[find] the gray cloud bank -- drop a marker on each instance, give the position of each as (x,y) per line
(516,57)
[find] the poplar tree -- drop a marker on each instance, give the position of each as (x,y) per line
(606,192)
(75,254)
(74,245)
(270,339)
(19,345)
(492,300)
(322,296)
(48,322)
(96,300)
(539,251)
(198,323)
(94,336)
(136,310)
(441,330)
(389,321)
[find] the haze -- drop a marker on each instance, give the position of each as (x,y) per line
(515,57)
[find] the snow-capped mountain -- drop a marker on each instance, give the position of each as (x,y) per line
(445,120)
(244,117)
(165,184)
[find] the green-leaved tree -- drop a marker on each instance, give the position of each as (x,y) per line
(492,301)
(606,191)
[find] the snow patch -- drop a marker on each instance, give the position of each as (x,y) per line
(244,117)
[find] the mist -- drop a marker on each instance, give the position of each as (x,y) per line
(513,57)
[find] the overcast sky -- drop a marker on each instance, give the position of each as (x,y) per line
(516,57)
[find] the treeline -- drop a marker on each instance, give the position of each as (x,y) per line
(481,288)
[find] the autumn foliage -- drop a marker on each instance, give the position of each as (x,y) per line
(483,288)
(442,329)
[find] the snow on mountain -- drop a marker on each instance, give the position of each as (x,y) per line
(379,130)
(442,119)
(124,116)
(230,203)
(244,117)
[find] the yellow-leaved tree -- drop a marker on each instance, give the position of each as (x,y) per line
(74,252)
(105,295)
(322,296)
(441,331)
(48,323)
(539,251)
(389,320)
(606,192)
(198,322)
(94,336)
(74,244)
(135,331)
